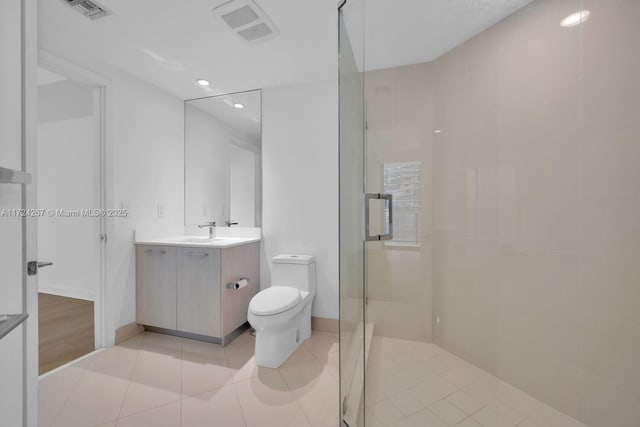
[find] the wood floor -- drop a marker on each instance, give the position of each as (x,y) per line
(66,330)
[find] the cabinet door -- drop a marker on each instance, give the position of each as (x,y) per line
(156,290)
(199,291)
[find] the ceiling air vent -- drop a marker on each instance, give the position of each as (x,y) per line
(246,20)
(88,8)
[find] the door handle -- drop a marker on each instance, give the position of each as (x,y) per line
(33,266)
(388,199)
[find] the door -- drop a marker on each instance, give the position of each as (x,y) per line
(352,278)
(18,304)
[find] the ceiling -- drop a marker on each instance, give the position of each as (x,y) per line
(171,43)
(416,31)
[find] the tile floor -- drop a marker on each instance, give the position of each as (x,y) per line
(414,384)
(164,381)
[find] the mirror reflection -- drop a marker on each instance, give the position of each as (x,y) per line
(223,156)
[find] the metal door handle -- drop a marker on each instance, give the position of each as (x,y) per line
(388,198)
(33,266)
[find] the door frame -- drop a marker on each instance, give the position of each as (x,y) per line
(102,101)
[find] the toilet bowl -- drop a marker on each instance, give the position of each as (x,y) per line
(281,313)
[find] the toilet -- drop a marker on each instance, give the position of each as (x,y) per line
(281,313)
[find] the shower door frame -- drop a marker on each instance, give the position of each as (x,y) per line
(352,231)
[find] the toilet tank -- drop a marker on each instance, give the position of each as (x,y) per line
(297,271)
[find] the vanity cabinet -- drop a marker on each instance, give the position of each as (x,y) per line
(183,290)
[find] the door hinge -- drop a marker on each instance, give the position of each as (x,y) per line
(103,237)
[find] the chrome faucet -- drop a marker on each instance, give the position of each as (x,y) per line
(211,226)
(230,223)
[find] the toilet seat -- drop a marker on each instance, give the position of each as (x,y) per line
(274,300)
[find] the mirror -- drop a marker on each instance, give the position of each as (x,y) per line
(223,158)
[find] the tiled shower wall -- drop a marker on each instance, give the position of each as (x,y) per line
(537,206)
(529,135)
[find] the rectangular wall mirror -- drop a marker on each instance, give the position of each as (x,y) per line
(223,160)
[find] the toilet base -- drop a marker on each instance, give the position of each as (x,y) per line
(277,340)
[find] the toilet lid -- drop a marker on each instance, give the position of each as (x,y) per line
(274,300)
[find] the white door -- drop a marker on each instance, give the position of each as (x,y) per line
(18,345)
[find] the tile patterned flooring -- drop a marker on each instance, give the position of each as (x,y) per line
(164,381)
(414,384)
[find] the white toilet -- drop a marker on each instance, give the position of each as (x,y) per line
(281,313)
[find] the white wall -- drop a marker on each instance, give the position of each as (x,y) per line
(148,173)
(300,183)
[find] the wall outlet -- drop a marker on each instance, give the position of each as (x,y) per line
(160,210)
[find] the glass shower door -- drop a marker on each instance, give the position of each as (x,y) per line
(352,278)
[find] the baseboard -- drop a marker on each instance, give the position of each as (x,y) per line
(128,331)
(324,324)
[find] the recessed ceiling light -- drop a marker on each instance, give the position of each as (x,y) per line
(238,105)
(203,82)
(575,18)
(437,131)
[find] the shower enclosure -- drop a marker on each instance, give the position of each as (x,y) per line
(490,213)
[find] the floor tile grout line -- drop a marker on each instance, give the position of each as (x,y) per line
(235,391)
(53,419)
(146,410)
(135,364)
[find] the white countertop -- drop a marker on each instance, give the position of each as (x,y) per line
(199,241)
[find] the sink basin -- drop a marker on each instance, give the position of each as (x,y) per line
(197,239)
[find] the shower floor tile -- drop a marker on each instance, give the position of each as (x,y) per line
(450,391)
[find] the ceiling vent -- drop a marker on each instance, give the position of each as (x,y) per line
(88,8)
(246,20)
